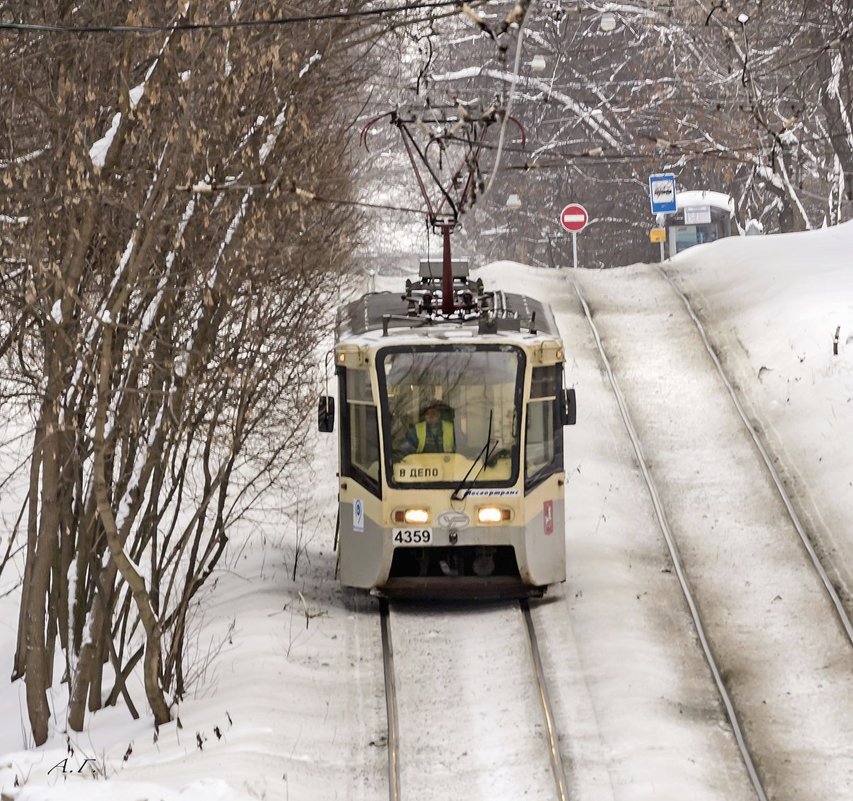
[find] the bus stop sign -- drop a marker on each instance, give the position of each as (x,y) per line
(662,193)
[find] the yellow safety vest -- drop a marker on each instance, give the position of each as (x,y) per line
(447,443)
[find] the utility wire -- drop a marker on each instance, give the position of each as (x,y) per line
(22,27)
(203,188)
(670,149)
(508,111)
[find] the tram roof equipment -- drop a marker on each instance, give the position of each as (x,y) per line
(421,306)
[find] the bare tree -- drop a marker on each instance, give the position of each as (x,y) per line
(754,104)
(163,282)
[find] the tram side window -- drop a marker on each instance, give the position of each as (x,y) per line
(543,442)
(362,435)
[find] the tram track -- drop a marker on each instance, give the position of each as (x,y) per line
(529,777)
(758,735)
(547,708)
(393,739)
(678,566)
(779,658)
(790,507)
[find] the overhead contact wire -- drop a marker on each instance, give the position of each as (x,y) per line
(24,27)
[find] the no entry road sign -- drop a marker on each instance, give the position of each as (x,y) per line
(574,217)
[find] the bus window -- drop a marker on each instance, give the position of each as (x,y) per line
(543,453)
(446,408)
(361,437)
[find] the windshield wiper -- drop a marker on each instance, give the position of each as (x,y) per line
(484,454)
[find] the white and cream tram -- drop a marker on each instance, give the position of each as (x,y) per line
(477,509)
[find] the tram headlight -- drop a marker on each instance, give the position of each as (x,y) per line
(493,514)
(412,516)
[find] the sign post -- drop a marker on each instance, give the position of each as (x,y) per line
(658,235)
(662,198)
(574,219)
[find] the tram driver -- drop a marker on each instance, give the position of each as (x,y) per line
(433,434)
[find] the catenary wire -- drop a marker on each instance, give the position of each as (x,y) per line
(22,27)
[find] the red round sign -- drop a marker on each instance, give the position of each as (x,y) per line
(574,217)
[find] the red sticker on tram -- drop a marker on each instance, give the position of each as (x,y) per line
(548,517)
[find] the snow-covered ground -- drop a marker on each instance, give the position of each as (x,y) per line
(288,702)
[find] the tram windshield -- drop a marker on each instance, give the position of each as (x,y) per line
(451,414)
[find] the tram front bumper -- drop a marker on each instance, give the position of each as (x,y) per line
(485,561)
(458,588)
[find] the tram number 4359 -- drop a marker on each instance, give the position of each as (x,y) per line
(412,536)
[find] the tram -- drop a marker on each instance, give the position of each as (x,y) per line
(451,405)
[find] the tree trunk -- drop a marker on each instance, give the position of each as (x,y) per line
(20,667)
(136,583)
(85,667)
(835,112)
(37,666)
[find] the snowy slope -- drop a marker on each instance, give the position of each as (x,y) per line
(288,701)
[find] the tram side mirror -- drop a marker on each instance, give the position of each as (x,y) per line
(326,414)
(568,408)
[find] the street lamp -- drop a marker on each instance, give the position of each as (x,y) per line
(537,63)
(607,22)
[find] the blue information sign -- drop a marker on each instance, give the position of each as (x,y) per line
(662,193)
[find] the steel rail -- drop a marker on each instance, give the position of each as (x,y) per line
(553,744)
(843,617)
(674,554)
(390,703)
